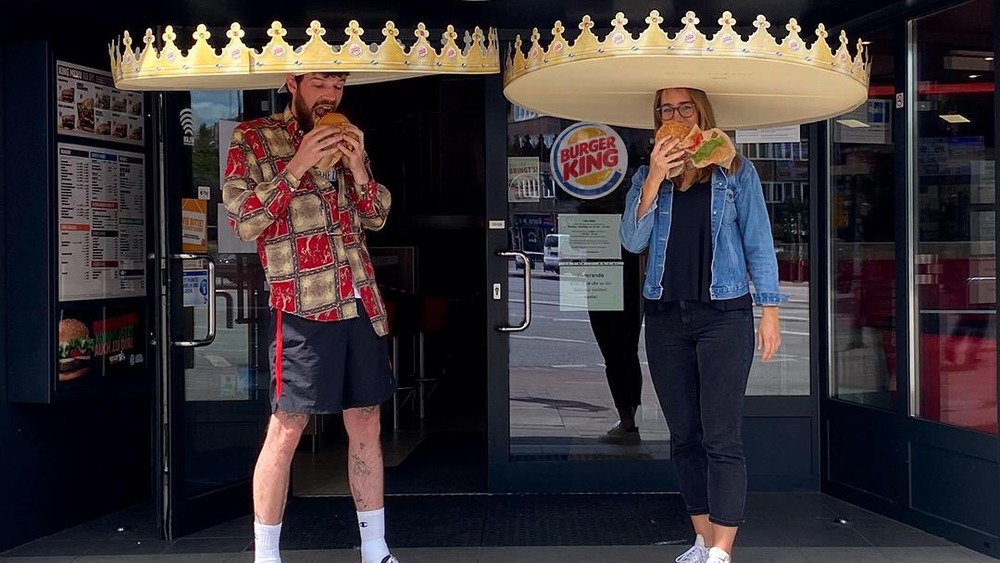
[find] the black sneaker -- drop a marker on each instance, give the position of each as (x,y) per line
(621,435)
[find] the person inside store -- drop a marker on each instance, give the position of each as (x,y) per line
(304,191)
(707,231)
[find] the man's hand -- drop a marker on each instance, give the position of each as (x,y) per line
(315,145)
(352,142)
(769,333)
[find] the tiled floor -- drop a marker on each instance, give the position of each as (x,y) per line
(780,528)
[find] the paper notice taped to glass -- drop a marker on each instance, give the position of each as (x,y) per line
(592,286)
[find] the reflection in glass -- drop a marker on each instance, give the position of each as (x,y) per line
(580,362)
(783,167)
(219,372)
(573,370)
(861,223)
(955,261)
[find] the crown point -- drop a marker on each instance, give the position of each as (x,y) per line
(421,31)
(354,29)
(620,20)
(558,28)
(727,19)
(761,22)
(316,29)
(586,23)
(690,18)
(235,32)
(202,33)
(168,35)
(793,26)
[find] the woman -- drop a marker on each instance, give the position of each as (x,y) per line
(708,235)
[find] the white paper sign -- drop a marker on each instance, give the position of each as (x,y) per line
(596,286)
(788,134)
(592,236)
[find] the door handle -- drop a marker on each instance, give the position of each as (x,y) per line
(210,334)
(515,254)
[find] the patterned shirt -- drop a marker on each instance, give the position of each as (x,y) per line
(309,230)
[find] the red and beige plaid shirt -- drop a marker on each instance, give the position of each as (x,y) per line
(309,231)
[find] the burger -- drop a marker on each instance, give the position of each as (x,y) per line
(703,147)
(676,130)
(75,349)
(339,121)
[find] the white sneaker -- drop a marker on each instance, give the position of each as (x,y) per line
(697,554)
(390,559)
(716,555)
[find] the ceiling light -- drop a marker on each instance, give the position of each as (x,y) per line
(974,75)
(866,42)
(954,118)
(988,58)
(852,123)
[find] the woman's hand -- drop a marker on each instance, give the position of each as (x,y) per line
(664,159)
(769,333)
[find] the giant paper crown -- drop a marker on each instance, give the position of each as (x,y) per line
(237,66)
(754,82)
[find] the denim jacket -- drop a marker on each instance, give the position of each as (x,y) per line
(742,244)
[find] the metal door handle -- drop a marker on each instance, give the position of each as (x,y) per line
(515,254)
(210,335)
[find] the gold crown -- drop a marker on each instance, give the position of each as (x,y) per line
(237,66)
(689,41)
(689,58)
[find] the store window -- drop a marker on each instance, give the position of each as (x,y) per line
(954,219)
(861,227)
(781,157)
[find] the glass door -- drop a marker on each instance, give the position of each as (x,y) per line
(213,400)
(576,359)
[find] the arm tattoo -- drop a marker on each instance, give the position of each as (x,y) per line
(368,412)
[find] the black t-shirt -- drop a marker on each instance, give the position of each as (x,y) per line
(687,273)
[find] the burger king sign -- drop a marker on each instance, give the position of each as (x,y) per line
(589,160)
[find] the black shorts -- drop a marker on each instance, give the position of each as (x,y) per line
(326,367)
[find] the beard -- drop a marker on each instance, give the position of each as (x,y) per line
(307,116)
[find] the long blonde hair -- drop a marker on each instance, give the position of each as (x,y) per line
(706,120)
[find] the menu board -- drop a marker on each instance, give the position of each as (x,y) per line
(102,216)
(90,106)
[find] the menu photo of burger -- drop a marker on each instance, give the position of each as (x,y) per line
(67,119)
(75,349)
(85,110)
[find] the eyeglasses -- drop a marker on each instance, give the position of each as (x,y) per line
(686,109)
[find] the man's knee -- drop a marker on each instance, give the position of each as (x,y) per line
(362,421)
(286,427)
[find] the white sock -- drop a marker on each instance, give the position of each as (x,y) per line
(699,540)
(372,526)
(265,542)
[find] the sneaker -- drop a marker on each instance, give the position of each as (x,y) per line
(697,554)
(390,559)
(716,555)
(621,435)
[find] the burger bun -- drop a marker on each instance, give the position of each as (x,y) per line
(339,121)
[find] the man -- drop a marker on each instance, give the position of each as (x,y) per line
(328,347)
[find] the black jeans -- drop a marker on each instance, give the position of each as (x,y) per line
(699,358)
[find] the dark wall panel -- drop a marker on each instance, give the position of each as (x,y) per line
(955,487)
(868,464)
